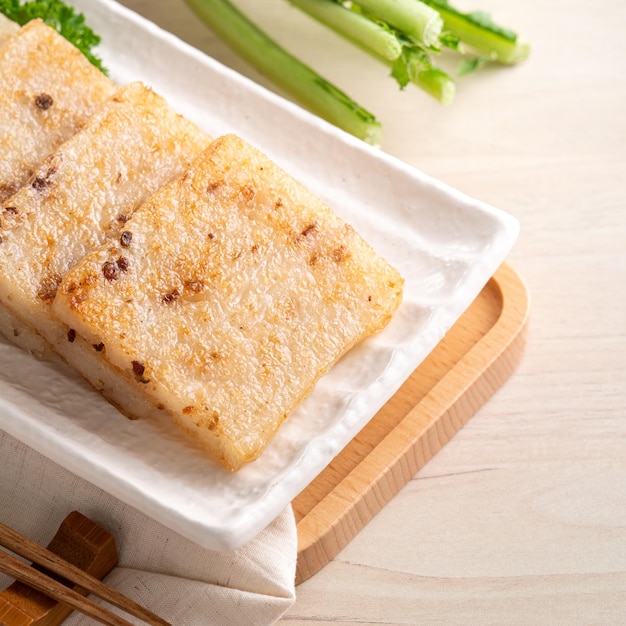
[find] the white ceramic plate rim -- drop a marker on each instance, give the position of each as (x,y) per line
(446,244)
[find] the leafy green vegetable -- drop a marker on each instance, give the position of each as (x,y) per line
(404,34)
(374,36)
(478,30)
(415,19)
(407,57)
(297,79)
(414,66)
(472,64)
(59,16)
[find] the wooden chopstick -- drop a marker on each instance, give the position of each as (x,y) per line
(32,551)
(23,572)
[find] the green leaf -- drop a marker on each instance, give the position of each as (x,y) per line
(286,71)
(449,40)
(400,71)
(469,65)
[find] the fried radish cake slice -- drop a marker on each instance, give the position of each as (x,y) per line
(48,89)
(78,199)
(230,292)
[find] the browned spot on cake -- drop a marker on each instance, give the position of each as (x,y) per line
(48,287)
(44,101)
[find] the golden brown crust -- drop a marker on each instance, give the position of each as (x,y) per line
(78,198)
(48,89)
(235,290)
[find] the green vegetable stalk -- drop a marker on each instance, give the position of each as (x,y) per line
(279,66)
(414,18)
(414,66)
(373,36)
(478,30)
(409,59)
(405,34)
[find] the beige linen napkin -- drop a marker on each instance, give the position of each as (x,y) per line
(185,584)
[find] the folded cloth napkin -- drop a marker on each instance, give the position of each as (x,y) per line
(185,584)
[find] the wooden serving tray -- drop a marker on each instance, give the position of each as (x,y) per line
(472,361)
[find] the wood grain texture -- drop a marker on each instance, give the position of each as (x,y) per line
(472,361)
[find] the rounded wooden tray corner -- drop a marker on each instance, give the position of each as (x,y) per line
(470,363)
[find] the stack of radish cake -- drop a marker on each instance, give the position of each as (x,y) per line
(172,271)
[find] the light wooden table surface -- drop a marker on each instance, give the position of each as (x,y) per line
(521,518)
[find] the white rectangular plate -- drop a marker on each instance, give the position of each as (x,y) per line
(445,244)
